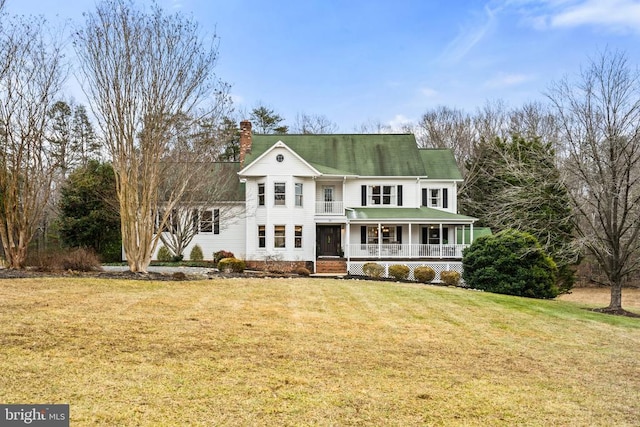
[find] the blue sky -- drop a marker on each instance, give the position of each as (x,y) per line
(358,61)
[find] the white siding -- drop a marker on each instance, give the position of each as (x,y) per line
(231,238)
(269,164)
(288,215)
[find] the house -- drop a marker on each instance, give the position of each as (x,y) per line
(334,202)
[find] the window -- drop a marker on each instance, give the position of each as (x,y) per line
(386,195)
(279,236)
(279,193)
(261,194)
(298,237)
(206,221)
(262,236)
(434,197)
(388,235)
(382,195)
(298,194)
(375,194)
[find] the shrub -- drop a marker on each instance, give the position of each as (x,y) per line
(372,269)
(217,256)
(302,271)
(196,254)
(164,254)
(231,265)
(79,259)
(424,274)
(451,278)
(510,262)
(177,258)
(399,271)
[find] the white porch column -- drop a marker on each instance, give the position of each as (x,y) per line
(410,246)
(379,240)
(471,233)
(440,242)
(348,242)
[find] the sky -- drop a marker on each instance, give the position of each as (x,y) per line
(388,62)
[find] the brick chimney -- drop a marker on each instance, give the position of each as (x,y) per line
(245,140)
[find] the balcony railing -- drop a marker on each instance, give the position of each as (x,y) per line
(329,208)
(398,250)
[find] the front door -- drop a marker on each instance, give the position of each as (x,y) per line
(329,240)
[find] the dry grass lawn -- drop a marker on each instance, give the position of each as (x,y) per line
(291,352)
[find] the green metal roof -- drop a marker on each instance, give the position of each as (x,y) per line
(363,155)
(410,214)
(226,175)
(477,232)
(440,163)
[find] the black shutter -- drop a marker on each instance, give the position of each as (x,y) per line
(445,235)
(363,191)
(216,221)
(399,234)
(425,197)
(363,234)
(445,198)
(399,195)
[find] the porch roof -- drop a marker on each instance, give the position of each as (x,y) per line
(422,214)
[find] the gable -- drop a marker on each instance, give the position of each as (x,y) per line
(278,157)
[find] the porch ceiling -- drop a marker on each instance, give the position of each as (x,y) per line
(422,214)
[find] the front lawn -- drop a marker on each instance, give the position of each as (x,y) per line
(312,352)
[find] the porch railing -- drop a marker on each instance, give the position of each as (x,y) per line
(329,208)
(399,250)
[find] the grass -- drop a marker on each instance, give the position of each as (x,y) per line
(290,352)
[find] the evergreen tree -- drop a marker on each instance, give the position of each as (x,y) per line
(88,211)
(514,184)
(266,120)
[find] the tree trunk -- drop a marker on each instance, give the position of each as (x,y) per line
(616,297)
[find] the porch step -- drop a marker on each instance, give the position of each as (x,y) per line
(331,266)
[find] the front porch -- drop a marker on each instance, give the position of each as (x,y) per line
(398,250)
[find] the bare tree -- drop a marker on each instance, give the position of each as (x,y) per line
(32,71)
(144,71)
(313,124)
(199,207)
(445,127)
(600,118)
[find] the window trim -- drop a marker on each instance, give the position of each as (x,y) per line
(297,236)
(279,237)
(262,236)
(298,196)
(279,197)
(261,194)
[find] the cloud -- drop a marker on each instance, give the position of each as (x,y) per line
(469,37)
(429,92)
(398,123)
(507,80)
(612,15)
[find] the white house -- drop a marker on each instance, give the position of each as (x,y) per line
(335,202)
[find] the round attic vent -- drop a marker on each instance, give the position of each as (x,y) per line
(279,158)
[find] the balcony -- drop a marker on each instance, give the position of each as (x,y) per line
(329,208)
(398,250)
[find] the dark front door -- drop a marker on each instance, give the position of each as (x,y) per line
(328,240)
